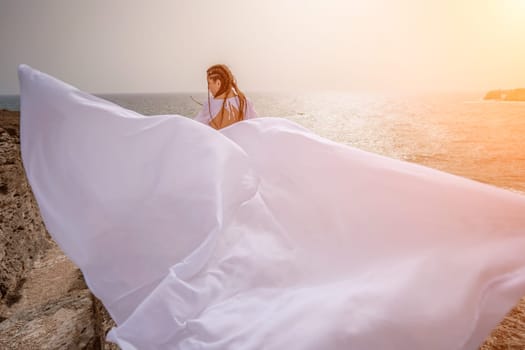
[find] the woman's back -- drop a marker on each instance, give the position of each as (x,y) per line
(211,112)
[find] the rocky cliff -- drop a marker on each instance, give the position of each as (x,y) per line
(44,302)
(506,95)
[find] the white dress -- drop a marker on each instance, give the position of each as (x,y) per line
(231,104)
(264,235)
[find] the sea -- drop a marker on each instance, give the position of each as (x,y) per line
(456,133)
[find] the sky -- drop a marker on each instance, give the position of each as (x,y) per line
(131,46)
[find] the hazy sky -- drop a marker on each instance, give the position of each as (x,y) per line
(159,46)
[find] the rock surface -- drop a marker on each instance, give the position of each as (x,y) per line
(44,302)
(66,323)
(22,234)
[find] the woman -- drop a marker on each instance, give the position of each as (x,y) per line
(227,104)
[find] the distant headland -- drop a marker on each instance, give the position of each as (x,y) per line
(506,95)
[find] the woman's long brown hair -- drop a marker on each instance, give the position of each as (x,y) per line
(228,82)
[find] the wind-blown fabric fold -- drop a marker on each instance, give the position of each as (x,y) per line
(264,235)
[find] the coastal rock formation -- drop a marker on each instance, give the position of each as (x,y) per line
(22,234)
(506,95)
(65,324)
(44,302)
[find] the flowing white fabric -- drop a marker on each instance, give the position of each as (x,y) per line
(264,235)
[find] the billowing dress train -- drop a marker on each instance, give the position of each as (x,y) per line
(264,235)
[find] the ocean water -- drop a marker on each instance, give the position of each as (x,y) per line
(456,133)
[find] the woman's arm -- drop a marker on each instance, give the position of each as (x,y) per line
(204,115)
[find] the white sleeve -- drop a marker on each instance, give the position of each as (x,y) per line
(204,115)
(250,110)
